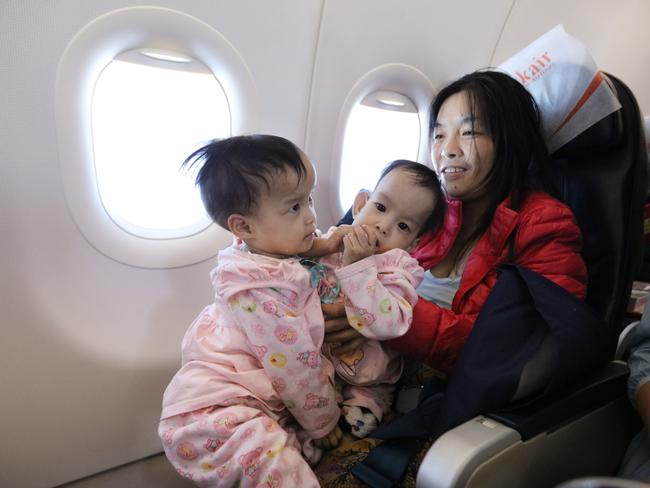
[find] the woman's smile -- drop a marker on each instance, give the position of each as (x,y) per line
(452,173)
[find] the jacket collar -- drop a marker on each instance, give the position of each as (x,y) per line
(434,246)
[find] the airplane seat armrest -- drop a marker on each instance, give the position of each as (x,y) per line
(514,447)
(534,417)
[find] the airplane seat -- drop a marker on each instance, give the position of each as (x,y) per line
(602,175)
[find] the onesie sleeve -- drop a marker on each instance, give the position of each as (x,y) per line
(380,293)
(281,337)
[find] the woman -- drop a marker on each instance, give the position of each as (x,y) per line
(489,153)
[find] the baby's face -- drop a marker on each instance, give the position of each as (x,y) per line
(285,221)
(398,208)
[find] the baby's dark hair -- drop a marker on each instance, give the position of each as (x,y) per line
(235,169)
(427,178)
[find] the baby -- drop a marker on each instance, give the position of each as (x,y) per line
(377,279)
(254,391)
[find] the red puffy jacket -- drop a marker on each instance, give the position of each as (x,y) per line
(547,240)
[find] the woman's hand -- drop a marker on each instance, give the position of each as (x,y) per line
(331,440)
(338,331)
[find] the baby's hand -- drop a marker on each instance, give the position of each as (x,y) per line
(329,243)
(331,440)
(359,244)
(335,236)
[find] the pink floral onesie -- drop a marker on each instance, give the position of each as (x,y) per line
(379,296)
(253,388)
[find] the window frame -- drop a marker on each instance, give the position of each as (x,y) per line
(395,77)
(81,64)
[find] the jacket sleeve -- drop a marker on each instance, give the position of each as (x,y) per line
(379,304)
(279,335)
(548,242)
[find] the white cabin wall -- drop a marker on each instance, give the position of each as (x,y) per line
(89,344)
(615,33)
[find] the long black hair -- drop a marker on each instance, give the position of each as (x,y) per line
(511,118)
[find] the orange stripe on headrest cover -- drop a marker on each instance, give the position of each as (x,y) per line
(595,82)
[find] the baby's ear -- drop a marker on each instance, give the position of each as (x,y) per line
(360,201)
(240,226)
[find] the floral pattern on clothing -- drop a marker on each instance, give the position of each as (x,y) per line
(292,345)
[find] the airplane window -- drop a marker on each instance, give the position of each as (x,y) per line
(383,127)
(137,90)
(150,110)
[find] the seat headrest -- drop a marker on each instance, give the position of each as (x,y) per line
(604,135)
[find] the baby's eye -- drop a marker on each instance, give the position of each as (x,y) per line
(295,208)
(380,206)
(437,137)
(311,201)
(403,226)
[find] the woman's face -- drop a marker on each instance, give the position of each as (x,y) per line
(462,152)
